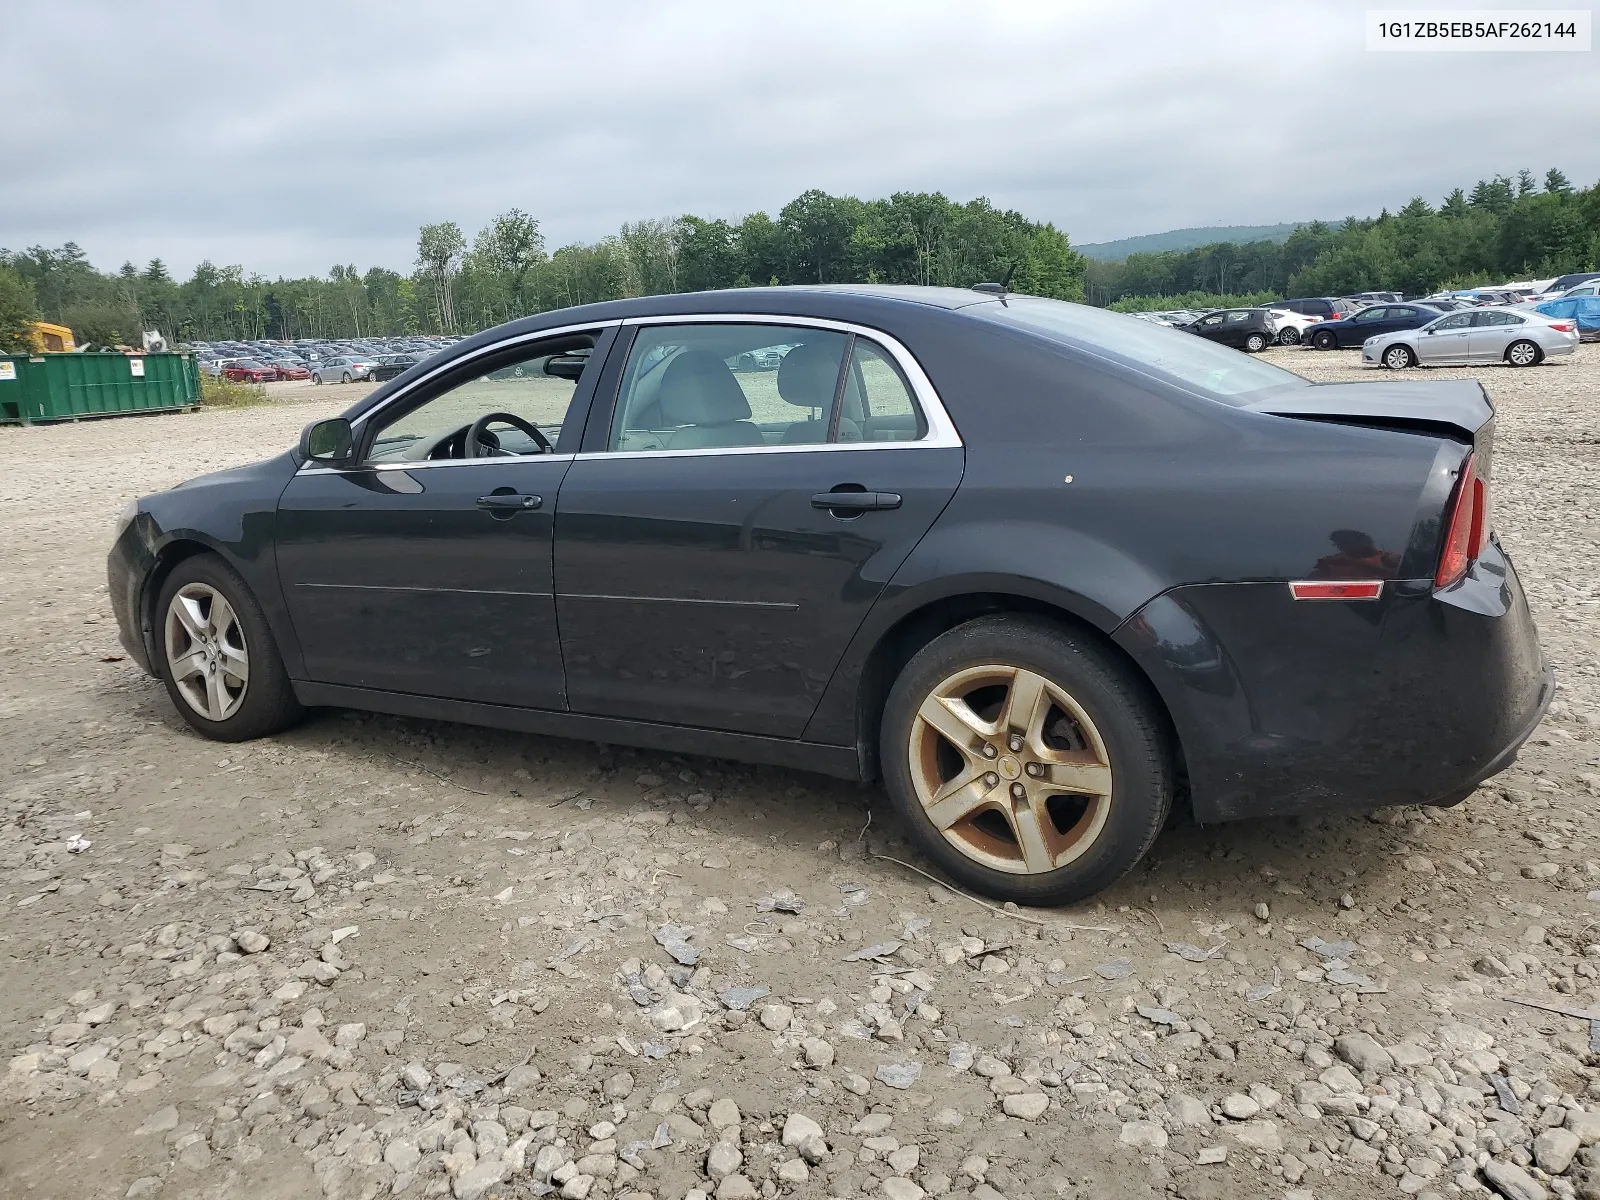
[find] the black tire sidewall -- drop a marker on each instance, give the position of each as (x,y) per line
(269,701)
(1118,704)
(1325,341)
(1538,354)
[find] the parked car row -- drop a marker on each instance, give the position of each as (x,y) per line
(319,360)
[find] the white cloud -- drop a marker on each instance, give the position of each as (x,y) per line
(304,134)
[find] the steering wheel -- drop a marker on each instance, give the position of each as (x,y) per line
(475,446)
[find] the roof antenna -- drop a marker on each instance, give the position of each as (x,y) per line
(997,289)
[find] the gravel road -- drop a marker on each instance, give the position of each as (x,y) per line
(379,956)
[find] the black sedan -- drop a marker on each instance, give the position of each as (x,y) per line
(1369,322)
(1044,570)
(390,365)
(1243,328)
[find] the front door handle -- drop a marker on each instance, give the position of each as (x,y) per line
(856,502)
(509,502)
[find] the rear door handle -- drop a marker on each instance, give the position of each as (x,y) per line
(503,502)
(856,502)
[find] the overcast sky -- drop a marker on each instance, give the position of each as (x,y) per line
(291,136)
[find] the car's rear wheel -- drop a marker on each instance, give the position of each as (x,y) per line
(1289,336)
(1398,358)
(1324,340)
(1256,343)
(217,655)
(1523,354)
(1027,762)
(344,377)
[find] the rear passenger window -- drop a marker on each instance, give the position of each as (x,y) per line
(888,413)
(726,386)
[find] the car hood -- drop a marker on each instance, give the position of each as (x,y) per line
(1461,403)
(280,467)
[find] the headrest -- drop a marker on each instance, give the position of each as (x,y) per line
(699,389)
(808,375)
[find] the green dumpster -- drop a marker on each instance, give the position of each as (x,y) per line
(65,387)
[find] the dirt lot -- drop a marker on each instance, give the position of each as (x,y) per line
(377,955)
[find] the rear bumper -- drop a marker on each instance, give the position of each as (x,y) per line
(1286,707)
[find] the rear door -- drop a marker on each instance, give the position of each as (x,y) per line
(1491,333)
(1237,325)
(746,489)
(1445,341)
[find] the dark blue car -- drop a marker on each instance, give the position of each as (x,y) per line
(1369,322)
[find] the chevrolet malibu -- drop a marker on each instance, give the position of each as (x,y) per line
(1044,570)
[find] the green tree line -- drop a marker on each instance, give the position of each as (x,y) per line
(459,285)
(1504,228)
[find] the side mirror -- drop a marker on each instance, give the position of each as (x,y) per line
(566,366)
(327,441)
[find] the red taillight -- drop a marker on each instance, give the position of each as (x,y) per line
(1469,525)
(1335,316)
(1560,326)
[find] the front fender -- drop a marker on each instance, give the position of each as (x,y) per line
(233,514)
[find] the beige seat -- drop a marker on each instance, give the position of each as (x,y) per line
(807,377)
(699,393)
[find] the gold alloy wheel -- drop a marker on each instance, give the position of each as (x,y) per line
(1010,769)
(206,651)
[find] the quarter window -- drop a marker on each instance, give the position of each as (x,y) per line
(886,412)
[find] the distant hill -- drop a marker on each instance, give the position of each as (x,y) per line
(1188,239)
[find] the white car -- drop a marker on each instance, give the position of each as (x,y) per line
(1513,335)
(1289,325)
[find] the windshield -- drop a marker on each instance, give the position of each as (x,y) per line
(1193,363)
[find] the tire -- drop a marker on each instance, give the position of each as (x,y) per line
(239,689)
(1523,353)
(317,379)
(1289,336)
(344,377)
(1255,343)
(1324,340)
(1092,708)
(1398,358)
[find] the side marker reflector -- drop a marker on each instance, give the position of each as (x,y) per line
(1320,590)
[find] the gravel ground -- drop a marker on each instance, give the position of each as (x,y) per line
(380,956)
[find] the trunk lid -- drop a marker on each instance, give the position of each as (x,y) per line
(1449,407)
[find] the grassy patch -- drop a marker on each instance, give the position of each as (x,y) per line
(224,393)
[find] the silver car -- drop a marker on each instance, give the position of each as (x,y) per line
(1515,336)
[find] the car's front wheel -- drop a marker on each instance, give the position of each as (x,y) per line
(1256,343)
(1523,354)
(317,379)
(1324,340)
(1289,336)
(1398,358)
(1026,761)
(217,655)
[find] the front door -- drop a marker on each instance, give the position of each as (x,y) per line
(426,567)
(754,488)
(1445,341)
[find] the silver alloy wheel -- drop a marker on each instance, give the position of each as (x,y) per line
(1256,343)
(206,651)
(1289,336)
(1397,358)
(1523,354)
(1010,769)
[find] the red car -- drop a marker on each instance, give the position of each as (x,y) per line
(287,372)
(247,370)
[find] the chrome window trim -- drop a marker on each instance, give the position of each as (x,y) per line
(941,429)
(941,433)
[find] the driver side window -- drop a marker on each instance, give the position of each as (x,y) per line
(515,406)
